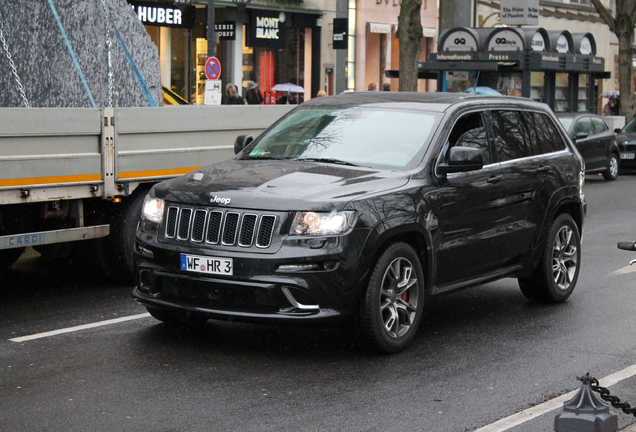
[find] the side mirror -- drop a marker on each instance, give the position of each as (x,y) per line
(241,142)
(618,130)
(580,135)
(462,159)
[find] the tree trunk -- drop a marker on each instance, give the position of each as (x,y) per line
(410,34)
(626,69)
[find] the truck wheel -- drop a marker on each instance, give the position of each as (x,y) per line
(555,278)
(116,251)
(611,173)
(9,256)
(391,309)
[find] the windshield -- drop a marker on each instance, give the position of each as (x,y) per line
(630,127)
(362,136)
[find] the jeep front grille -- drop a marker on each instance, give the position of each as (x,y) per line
(224,227)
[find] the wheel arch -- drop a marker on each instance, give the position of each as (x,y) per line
(411,234)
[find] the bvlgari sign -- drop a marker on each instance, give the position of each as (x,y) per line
(519,12)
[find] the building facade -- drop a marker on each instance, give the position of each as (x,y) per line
(265,41)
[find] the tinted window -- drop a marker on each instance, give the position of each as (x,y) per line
(583,125)
(510,135)
(547,138)
(469,131)
(599,125)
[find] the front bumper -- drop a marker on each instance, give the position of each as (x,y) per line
(258,291)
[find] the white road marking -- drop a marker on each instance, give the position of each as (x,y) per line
(531,413)
(624,270)
(78,328)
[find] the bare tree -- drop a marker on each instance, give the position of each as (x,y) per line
(410,33)
(622,25)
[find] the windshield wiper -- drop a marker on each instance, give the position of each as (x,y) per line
(264,158)
(327,160)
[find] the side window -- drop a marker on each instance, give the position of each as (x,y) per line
(583,125)
(547,139)
(469,131)
(599,125)
(510,135)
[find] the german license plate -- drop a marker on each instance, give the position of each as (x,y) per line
(628,155)
(207,264)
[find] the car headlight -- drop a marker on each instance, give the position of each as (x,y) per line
(321,223)
(153,209)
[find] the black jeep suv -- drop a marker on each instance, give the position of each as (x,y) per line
(359,207)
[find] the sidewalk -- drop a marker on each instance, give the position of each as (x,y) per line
(630,428)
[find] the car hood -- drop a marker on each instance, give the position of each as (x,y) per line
(626,138)
(278,185)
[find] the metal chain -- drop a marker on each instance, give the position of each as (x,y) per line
(614,400)
(14,70)
(109,43)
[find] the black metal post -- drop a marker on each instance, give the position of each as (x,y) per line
(211,35)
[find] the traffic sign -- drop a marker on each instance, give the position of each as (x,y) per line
(213,68)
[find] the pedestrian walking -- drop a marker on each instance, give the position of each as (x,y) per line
(253,95)
(233,98)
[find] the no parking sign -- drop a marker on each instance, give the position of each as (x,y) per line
(213,68)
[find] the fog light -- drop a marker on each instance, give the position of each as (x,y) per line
(144,281)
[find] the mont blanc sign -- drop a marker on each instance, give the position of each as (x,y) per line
(519,12)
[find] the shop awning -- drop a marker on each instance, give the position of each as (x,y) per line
(427,32)
(379,28)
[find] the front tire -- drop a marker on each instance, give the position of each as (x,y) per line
(612,168)
(391,309)
(555,278)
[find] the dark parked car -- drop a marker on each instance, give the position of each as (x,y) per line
(595,141)
(358,207)
(626,140)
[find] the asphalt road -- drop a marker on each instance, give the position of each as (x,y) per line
(481,355)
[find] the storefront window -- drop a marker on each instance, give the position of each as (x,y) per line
(537,86)
(271,66)
(584,103)
(561,93)
(173,45)
(510,84)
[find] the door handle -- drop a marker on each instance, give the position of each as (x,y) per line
(495,179)
(544,168)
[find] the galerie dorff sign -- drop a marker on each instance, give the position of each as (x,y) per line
(519,12)
(267,29)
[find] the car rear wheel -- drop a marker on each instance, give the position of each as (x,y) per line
(612,168)
(391,310)
(555,278)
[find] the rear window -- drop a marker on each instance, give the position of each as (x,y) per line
(599,125)
(547,138)
(510,135)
